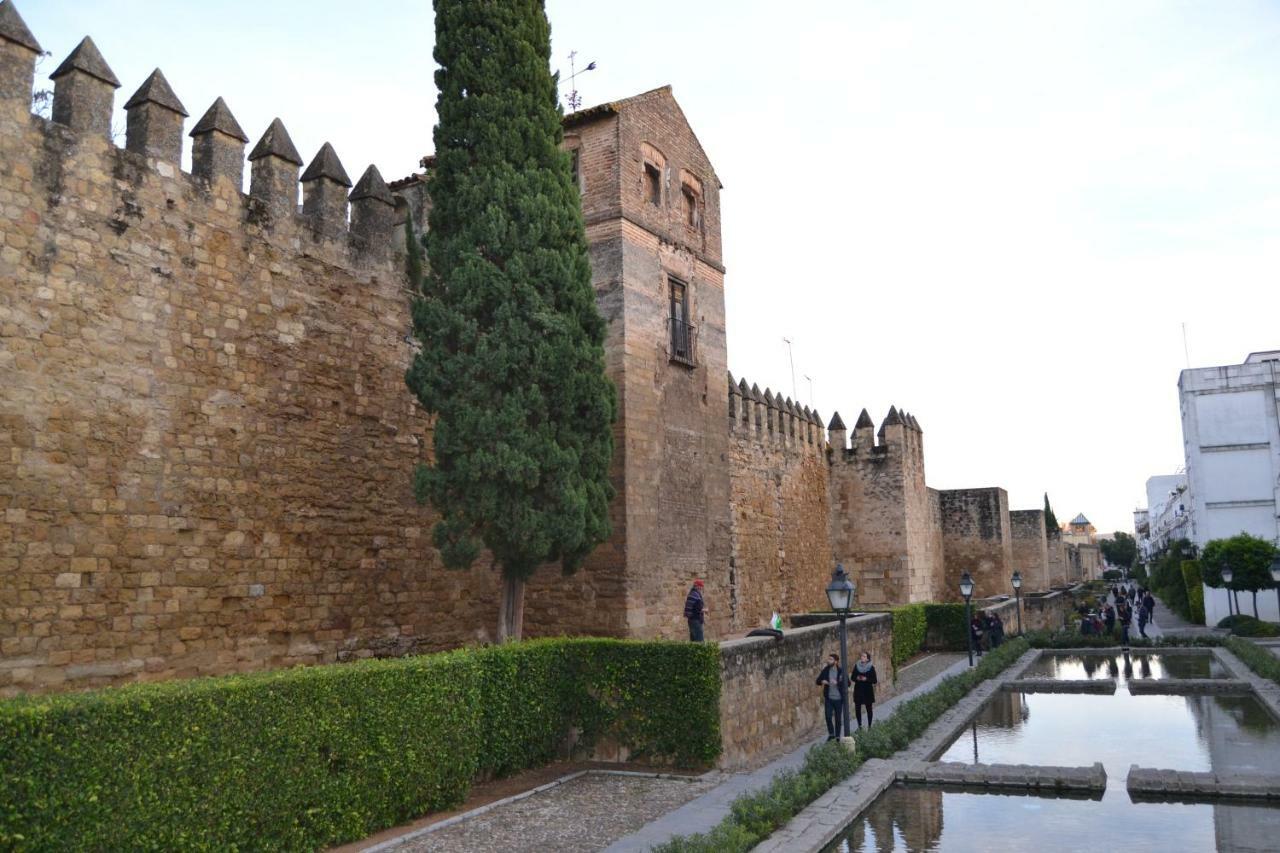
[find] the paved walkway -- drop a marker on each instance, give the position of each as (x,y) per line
(703,813)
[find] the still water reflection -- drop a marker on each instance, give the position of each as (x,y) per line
(1169,732)
(1123,668)
(922,820)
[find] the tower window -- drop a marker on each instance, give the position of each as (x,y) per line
(653,184)
(690,206)
(683,333)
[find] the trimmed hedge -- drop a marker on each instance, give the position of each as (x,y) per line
(1255,657)
(946,627)
(1243,625)
(755,816)
(909,630)
(1195,591)
(313,756)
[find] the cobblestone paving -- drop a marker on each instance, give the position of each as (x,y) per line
(583,814)
(915,674)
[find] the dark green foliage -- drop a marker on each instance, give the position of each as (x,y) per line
(1167,579)
(1139,573)
(1112,575)
(1120,551)
(512,358)
(1050,520)
(1255,657)
(755,816)
(1249,558)
(1075,640)
(1243,625)
(909,629)
(946,628)
(1195,591)
(313,756)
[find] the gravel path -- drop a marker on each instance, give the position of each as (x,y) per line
(581,815)
(914,674)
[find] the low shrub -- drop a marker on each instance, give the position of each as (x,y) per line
(755,816)
(1258,659)
(945,627)
(909,630)
(1076,640)
(313,756)
(1243,625)
(1112,575)
(1194,584)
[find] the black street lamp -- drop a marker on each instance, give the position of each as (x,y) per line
(840,595)
(1227,574)
(1275,576)
(1017,591)
(966,589)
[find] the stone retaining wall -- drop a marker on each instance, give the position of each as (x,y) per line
(768,699)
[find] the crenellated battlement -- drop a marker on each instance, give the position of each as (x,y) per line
(83,100)
(899,436)
(773,420)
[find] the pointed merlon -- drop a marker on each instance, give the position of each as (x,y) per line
(218,117)
(733,386)
(156,90)
(743,389)
(275,142)
(790,406)
(864,421)
(836,422)
(326,165)
(86,58)
(915,423)
(768,398)
(755,393)
(371,185)
(893,418)
(806,414)
(817,419)
(14,29)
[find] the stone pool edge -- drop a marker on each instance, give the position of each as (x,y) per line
(822,821)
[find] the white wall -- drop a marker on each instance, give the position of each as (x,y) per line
(1215,605)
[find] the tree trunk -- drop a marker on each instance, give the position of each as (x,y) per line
(511,620)
(1255,604)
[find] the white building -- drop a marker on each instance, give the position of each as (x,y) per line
(1167,517)
(1231,437)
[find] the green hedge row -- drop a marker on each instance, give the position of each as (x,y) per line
(946,628)
(909,630)
(308,757)
(1255,657)
(1195,591)
(755,816)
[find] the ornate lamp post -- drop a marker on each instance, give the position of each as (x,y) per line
(840,595)
(1227,574)
(1275,576)
(966,589)
(1017,591)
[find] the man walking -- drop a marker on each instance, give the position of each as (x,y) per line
(694,611)
(833,684)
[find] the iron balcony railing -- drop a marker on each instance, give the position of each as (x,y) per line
(684,341)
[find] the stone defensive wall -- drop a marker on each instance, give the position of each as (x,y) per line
(206,444)
(780,557)
(768,697)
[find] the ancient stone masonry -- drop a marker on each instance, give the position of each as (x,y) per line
(206,443)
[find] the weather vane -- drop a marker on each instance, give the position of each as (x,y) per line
(575,99)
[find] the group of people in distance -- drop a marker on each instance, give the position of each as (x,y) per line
(1130,602)
(987,632)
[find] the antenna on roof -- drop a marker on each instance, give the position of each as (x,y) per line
(575,99)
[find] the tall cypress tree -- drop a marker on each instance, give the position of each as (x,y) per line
(512,358)
(1050,520)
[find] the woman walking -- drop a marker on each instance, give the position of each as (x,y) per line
(864,687)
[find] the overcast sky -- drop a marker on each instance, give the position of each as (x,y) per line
(996,215)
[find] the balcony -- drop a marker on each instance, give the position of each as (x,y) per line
(683,339)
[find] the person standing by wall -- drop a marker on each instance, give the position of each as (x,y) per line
(864,687)
(833,684)
(695,611)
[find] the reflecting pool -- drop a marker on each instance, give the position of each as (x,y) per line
(1086,667)
(1204,732)
(909,819)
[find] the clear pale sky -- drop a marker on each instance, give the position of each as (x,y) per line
(994,214)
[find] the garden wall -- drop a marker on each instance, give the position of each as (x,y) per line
(768,699)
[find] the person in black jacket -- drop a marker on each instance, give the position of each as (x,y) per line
(864,687)
(833,684)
